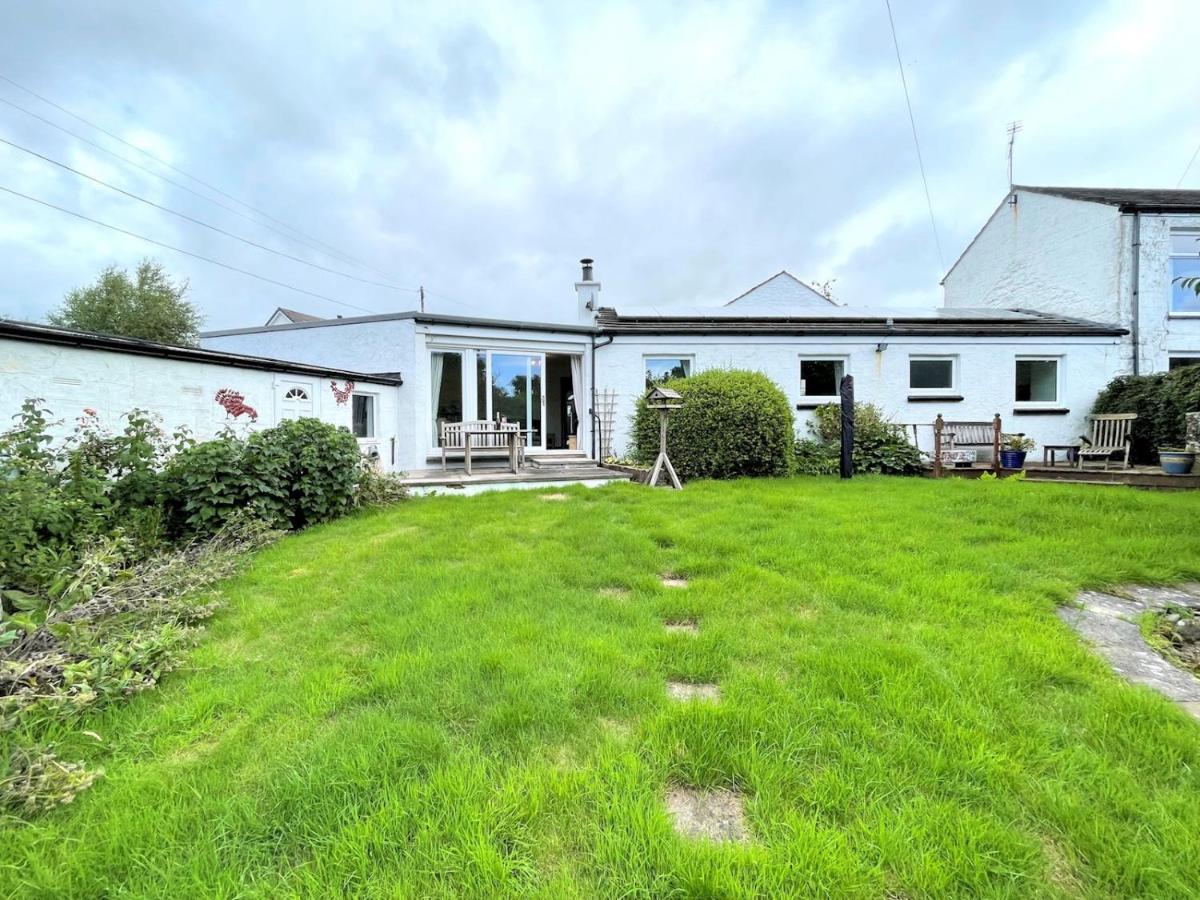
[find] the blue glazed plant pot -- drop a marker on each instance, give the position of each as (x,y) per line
(1176,462)
(1012,459)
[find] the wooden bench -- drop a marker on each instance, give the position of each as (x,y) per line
(476,437)
(1111,435)
(964,439)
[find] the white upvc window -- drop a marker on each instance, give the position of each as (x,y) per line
(1185,264)
(821,377)
(362,415)
(932,375)
(1038,381)
(663,368)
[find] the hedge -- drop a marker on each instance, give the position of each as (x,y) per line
(733,423)
(1160,400)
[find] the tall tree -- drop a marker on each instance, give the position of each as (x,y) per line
(148,306)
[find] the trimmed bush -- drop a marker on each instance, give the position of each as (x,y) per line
(1160,400)
(880,446)
(732,423)
(300,472)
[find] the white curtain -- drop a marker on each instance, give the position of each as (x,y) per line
(436,362)
(577,388)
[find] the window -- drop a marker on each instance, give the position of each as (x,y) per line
(932,374)
(1037,380)
(298,394)
(1178,362)
(362,412)
(446,389)
(820,377)
(1185,264)
(664,368)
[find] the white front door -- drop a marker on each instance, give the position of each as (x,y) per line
(295,399)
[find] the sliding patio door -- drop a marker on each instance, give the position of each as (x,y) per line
(516,393)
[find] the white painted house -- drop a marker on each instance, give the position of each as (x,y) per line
(1039,370)
(1108,255)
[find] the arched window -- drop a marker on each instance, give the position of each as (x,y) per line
(297,394)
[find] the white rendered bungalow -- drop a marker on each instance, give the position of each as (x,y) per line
(572,385)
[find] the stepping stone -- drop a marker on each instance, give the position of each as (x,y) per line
(682,626)
(673,581)
(555,497)
(1107,622)
(616,592)
(715,815)
(686,690)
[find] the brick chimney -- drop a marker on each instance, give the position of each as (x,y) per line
(587,289)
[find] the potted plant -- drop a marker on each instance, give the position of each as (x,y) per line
(1176,460)
(1013,448)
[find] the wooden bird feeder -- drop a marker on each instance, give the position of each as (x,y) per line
(664,400)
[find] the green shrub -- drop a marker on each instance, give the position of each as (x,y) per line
(300,472)
(880,446)
(732,423)
(1160,400)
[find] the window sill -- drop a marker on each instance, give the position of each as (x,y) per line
(935,398)
(1040,411)
(1183,315)
(814,402)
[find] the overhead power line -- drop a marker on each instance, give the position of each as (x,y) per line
(916,141)
(144,152)
(1188,168)
(312,244)
(202,224)
(207,259)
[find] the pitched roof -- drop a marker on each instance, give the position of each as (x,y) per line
(48,334)
(782,289)
(844,320)
(293,316)
(1126,198)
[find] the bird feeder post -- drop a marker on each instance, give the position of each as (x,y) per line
(664,400)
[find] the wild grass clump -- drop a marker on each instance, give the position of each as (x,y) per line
(110,543)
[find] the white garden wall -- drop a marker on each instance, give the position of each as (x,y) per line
(180,392)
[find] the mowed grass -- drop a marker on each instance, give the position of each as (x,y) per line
(465,697)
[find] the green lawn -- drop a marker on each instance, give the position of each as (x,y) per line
(465,697)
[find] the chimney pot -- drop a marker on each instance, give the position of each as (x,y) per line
(587,269)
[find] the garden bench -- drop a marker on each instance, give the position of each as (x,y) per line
(961,441)
(1111,435)
(476,437)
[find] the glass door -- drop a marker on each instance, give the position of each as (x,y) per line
(516,393)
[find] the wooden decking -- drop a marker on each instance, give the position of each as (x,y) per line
(550,471)
(1150,477)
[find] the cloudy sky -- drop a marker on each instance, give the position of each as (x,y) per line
(480,151)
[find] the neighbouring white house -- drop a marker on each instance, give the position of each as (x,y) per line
(1108,255)
(573,385)
(78,374)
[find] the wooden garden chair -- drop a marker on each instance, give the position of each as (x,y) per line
(1111,436)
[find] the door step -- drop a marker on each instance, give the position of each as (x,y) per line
(572,461)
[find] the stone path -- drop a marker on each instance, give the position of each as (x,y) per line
(1109,623)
